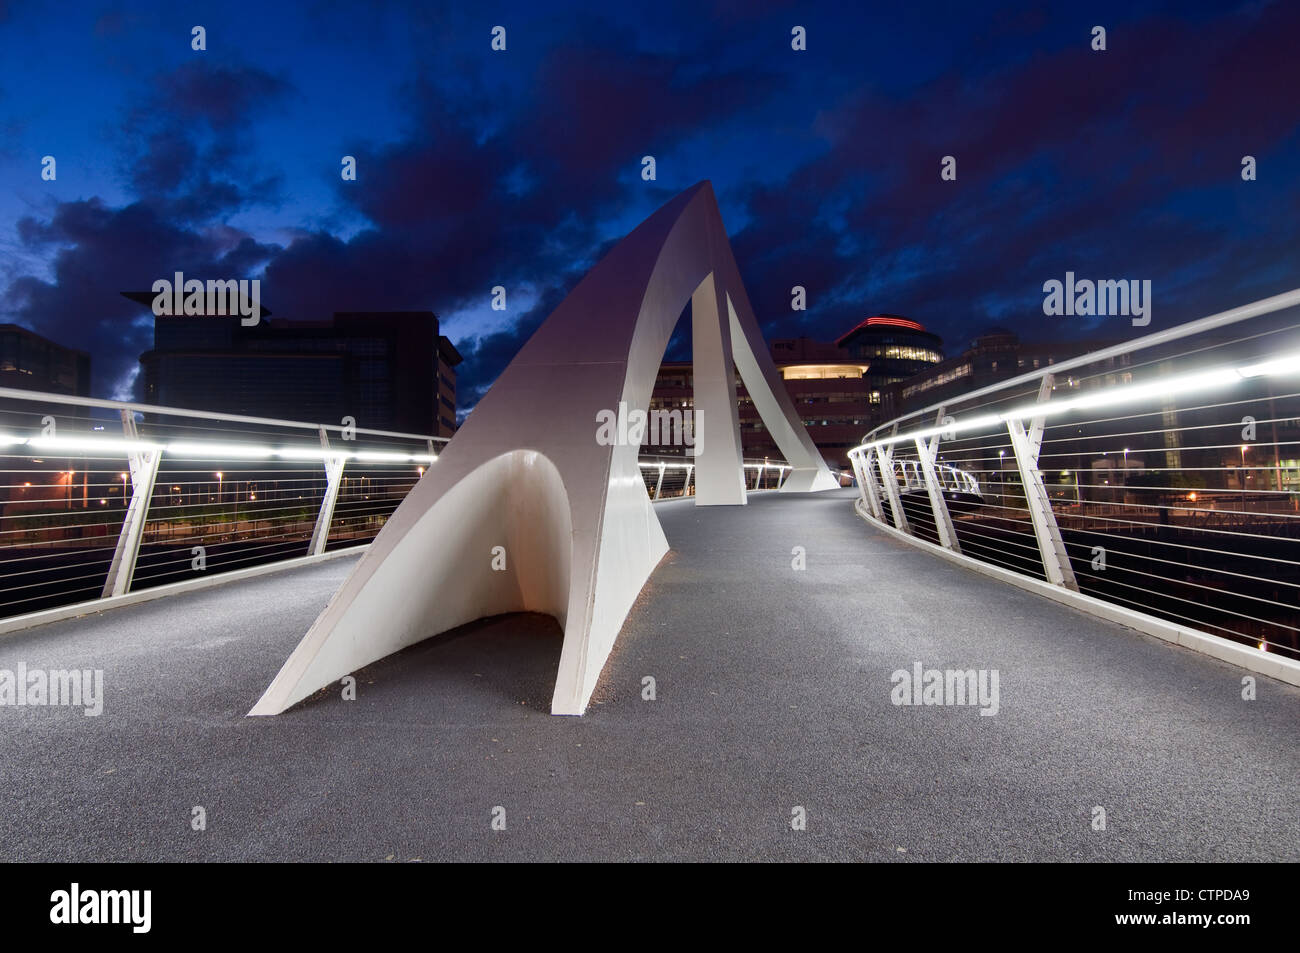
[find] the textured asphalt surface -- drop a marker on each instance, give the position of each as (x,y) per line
(773,691)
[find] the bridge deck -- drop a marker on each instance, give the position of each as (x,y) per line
(773,691)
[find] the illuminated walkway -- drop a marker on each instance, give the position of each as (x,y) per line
(773,691)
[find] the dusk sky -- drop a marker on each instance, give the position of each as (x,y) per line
(478,168)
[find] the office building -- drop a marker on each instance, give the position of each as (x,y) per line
(389,370)
(836,387)
(31,362)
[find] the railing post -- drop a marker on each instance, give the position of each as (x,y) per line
(873,488)
(659,484)
(690,472)
(862,483)
(144,471)
(333,479)
(942,520)
(867,483)
(885,458)
(1027,446)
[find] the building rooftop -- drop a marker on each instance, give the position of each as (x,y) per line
(882,321)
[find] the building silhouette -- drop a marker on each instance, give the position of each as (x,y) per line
(389,370)
(837,387)
(31,362)
(995,355)
(893,347)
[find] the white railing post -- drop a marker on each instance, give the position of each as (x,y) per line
(320,534)
(144,471)
(867,484)
(1027,446)
(660,482)
(873,488)
(862,483)
(942,520)
(885,458)
(690,472)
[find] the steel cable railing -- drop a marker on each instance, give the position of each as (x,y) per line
(668,477)
(1161,475)
(101,498)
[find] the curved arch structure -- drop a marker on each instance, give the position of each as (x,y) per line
(527,473)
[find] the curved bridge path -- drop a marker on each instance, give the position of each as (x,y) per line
(773,691)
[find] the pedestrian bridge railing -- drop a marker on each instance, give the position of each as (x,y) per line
(101,498)
(1161,475)
(911,478)
(667,477)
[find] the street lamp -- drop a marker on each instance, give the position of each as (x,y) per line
(123,476)
(219,498)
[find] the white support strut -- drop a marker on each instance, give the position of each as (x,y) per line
(885,457)
(927,452)
(1026,446)
(143,465)
(333,479)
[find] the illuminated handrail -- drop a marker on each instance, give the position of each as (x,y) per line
(661,472)
(95,490)
(101,498)
(1161,475)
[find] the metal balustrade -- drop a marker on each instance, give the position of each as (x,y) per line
(101,498)
(668,477)
(911,477)
(1161,475)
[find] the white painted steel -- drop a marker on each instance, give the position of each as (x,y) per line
(143,465)
(526,472)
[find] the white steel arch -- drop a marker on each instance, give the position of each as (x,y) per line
(527,473)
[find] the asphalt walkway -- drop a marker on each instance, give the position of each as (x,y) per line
(773,692)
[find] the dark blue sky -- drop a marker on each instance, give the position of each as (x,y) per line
(478,168)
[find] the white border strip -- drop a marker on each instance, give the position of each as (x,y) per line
(1266,663)
(21,623)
